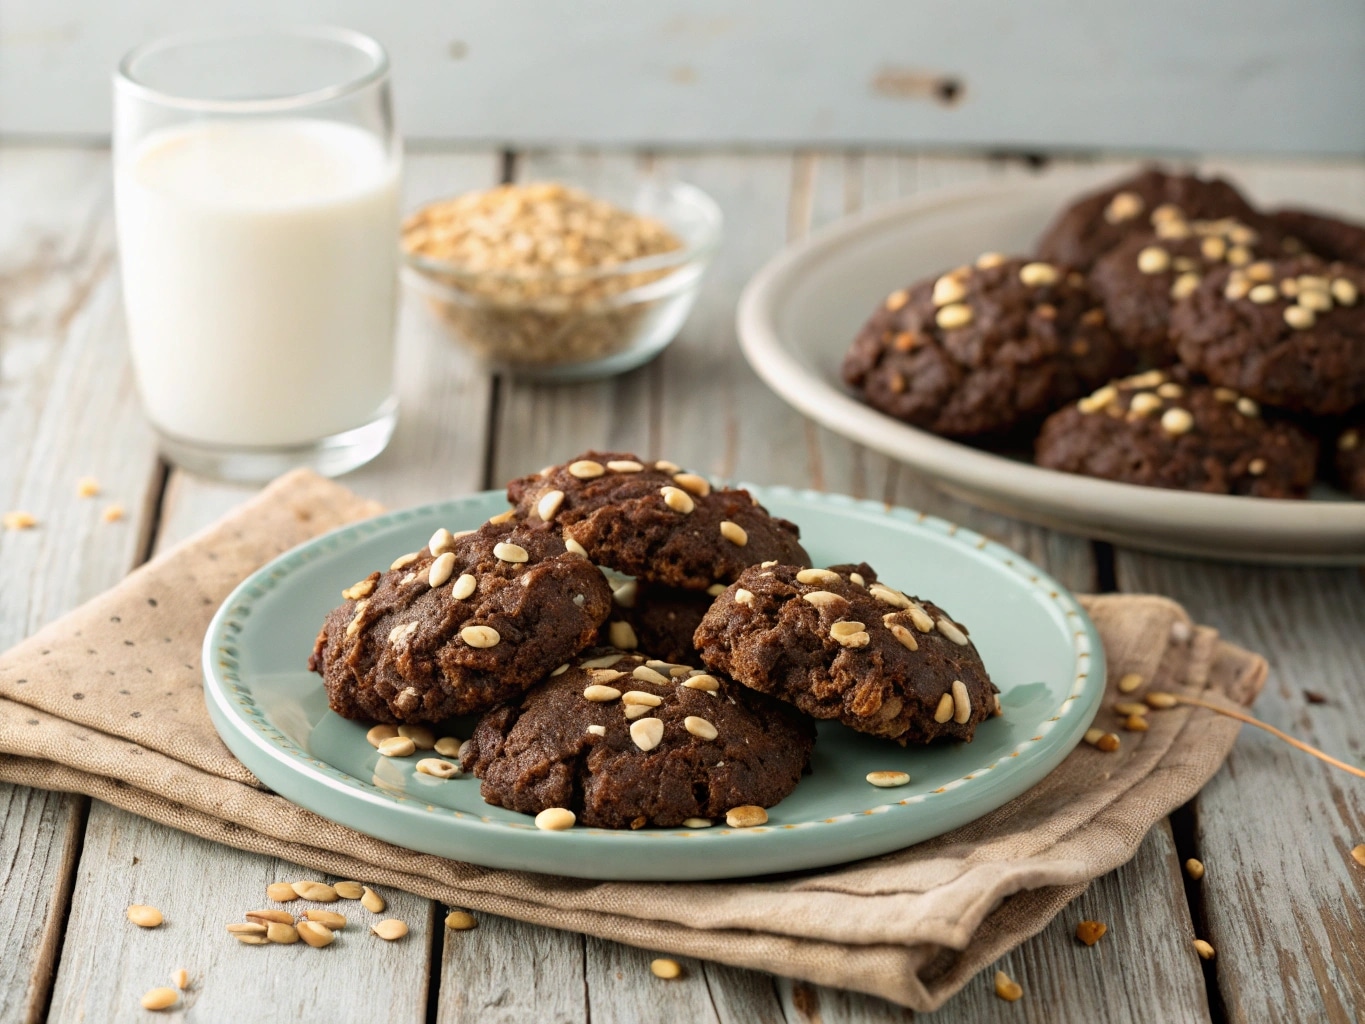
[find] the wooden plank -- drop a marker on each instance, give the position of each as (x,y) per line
(783,72)
(107,963)
(58,339)
(437,451)
(1282,900)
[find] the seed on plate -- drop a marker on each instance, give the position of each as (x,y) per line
(647,732)
(1129,682)
(372,901)
(945,708)
(648,675)
(447,746)
(962,703)
(574,548)
(398,746)
(746,816)
(624,466)
(1007,988)
(586,469)
(1299,317)
(314,934)
(1194,868)
(390,929)
(269,916)
(702,682)
(160,999)
(461,921)
(422,737)
(1090,932)
(280,892)
(1204,950)
(697,823)
(281,934)
(181,979)
(555,819)
(246,928)
(693,484)
(1037,275)
(441,542)
(144,916)
(953,316)
(402,561)
(823,599)
(379,733)
(699,727)
(437,768)
(1153,260)
(743,596)
(356,591)
(599,693)
(622,635)
(441,569)
(513,553)
(887,780)
(317,892)
(480,636)
(734,533)
(1160,700)
(349,890)
(666,969)
(1136,723)
(950,629)
(904,636)
(822,576)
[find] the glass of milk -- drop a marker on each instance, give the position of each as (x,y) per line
(256,182)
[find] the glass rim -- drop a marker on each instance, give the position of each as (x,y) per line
(127,81)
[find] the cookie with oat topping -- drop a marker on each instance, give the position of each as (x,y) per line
(983,348)
(1140,280)
(650,744)
(1323,235)
(866,655)
(653,521)
(1158,432)
(1350,458)
(460,625)
(1098,221)
(1290,333)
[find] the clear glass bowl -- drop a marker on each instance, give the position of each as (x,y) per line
(581,325)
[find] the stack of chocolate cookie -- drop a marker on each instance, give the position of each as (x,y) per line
(644,648)
(1252,320)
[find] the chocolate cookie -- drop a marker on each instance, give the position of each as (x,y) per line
(1329,237)
(458,626)
(983,348)
(1153,431)
(1350,459)
(625,743)
(1140,279)
(1289,333)
(658,619)
(653,521)
(869,656)
(1100,220)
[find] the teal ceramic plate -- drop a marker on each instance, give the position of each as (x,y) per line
(1040,647)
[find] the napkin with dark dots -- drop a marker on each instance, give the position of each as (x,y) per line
(108,701)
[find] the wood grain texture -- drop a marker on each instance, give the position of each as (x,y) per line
(1282,901)
(780,72)
(108,963)
(67,409)
(508,972)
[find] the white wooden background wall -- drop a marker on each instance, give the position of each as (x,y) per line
(1283,76)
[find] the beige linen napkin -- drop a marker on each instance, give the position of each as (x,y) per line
(108,701)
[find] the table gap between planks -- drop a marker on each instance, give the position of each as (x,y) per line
(1281,905)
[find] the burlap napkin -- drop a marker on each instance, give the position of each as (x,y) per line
(108,702)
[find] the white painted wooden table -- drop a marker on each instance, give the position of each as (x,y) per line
(1282,901)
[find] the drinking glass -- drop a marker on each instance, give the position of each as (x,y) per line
(256,182)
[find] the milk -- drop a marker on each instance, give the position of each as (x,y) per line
(259,264)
